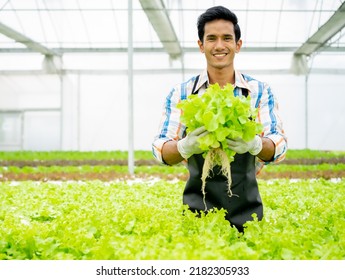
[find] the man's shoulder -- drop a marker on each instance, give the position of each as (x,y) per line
(248,78)
(197,77)
(186,86)
(254,85)
(191,79)
(188,81)
(182,89)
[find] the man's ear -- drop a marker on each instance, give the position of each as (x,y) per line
(238,45)
(201,46)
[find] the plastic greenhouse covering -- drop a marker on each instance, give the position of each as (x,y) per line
(93,75)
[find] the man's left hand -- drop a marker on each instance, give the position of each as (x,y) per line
(240,146)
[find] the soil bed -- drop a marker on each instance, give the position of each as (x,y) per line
(142,162)
(111,176)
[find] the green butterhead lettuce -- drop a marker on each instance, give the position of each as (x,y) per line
(223,114)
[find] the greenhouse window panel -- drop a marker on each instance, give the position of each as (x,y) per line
(157,14)
(335,24)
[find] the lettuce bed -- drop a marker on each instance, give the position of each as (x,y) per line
(142,219)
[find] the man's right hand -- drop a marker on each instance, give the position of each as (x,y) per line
(189,145)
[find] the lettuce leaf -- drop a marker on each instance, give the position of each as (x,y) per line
(223,114)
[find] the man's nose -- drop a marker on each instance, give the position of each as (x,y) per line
(219,43)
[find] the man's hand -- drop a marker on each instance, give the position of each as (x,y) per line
(189,145)
(240,146)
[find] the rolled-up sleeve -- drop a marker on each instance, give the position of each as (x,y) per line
(268,115)
(170,127)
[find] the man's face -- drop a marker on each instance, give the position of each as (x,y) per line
(219,44)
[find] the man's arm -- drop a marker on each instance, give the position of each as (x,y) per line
(268,150)
(175,151)
(274,139)
(170,154)
(271,144)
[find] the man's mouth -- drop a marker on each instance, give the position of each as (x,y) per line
(220,54)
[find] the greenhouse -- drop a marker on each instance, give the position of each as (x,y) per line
(79,75)
(83,87)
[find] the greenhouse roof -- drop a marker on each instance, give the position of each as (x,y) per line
(55,27)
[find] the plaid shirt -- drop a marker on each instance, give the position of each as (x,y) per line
(171,128)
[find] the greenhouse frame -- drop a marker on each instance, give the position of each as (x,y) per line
(120,155)
(93,75)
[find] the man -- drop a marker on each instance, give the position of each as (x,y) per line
(220,40)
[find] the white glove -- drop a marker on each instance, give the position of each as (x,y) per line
(189,145)
(240,146)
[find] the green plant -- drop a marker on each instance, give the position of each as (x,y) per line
(224,115)
(145,220)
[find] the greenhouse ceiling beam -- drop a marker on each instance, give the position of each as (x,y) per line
(160,50)
(335,23)
(160,21)
(28,42)
(165,71)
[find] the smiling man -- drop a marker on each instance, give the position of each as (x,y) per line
(219,44)
(220,40)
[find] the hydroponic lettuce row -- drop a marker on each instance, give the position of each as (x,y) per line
(224,115)
(94,220)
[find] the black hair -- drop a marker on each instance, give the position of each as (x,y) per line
(217,12)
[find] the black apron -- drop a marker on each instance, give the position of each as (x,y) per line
(246,198)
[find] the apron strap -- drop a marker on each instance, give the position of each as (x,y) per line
(244,90)
(194,86)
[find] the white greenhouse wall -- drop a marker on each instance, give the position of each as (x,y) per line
(95,110)
(327,112)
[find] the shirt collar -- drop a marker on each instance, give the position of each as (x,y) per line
(239,81)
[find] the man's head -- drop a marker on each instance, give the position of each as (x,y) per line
(214,13)
(219,38)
